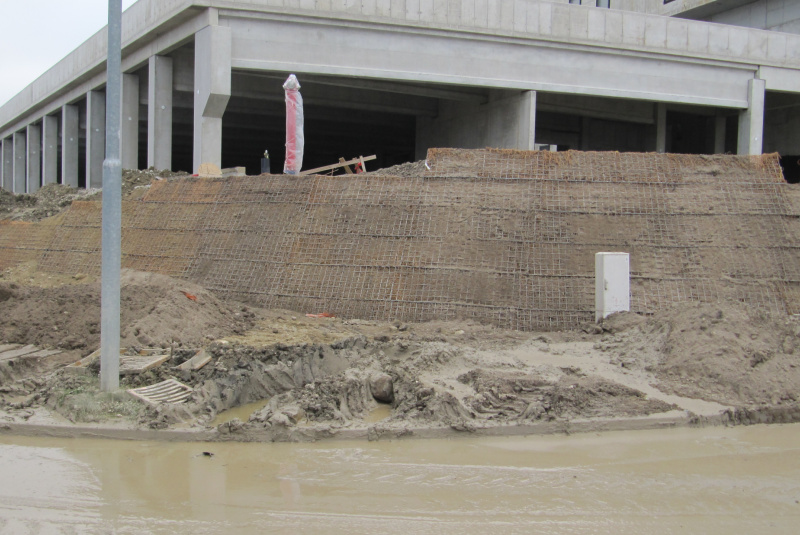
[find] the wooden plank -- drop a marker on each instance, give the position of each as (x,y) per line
(337,165)
(200,359)
(44,353)
(346,167)
(7,347)
(130,365)
(82,365)
(14,353)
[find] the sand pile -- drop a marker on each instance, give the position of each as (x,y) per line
(726,353)
(155,312)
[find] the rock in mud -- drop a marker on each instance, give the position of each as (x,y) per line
(382,387)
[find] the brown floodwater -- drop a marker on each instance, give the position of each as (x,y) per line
(714,480)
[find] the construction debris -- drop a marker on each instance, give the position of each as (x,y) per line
(129,364)
(200,359)
(342,163)
(169,391)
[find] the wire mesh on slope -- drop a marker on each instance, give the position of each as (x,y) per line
(503,237)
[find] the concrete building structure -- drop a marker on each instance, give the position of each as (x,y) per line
(203,79)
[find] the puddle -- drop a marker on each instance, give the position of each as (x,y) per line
(242,412)
(382,412)
(713,480)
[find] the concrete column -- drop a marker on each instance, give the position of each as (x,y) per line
(661,127)
(527,124)
(159,113)
(34,158)
(7,164)
(49,150)
(70,144)
(212,90)
(95,138)
(20,159)
(130,122)
(751,120)
(720,121)
(585,128)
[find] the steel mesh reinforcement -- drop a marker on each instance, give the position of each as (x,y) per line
(495,236)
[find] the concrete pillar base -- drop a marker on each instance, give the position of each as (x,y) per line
(159,113)
(49,150)
(720,122)
(751,120)
(20,160)
(7,164)
(95,138)
(129,142)
(69,145)
(34,158)
(661,127)
(507,121)
(212,90)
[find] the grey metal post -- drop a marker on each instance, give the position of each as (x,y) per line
(112,207)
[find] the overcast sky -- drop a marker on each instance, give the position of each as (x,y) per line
(36,34)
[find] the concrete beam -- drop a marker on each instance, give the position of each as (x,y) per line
(314,94)
(212,90)
(159,112)
(33,176)
(49,149)
(462,94)
(400,54)
(130,122)
(20,160)
(627,110)
(661,127)
(70,123)
(7,164)
(95,138)
(751,120)
(679,61)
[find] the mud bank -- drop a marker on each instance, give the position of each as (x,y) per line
(277,375)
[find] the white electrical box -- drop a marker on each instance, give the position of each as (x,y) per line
(612,284)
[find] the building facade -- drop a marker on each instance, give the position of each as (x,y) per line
(202,83)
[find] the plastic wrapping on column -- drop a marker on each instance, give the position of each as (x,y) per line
(295,139)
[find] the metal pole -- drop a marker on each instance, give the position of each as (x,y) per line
(112,207)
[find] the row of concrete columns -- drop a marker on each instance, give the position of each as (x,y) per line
(30,157)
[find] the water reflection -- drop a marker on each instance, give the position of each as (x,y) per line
(701,480)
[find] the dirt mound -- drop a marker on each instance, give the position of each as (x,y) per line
(409,169)
(52,199)
(48,201)
(727,353)
(155,311)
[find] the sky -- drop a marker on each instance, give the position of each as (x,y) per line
(36,34)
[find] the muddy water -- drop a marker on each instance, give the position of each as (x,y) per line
(718,480)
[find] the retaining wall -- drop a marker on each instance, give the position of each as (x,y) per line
(503,237)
